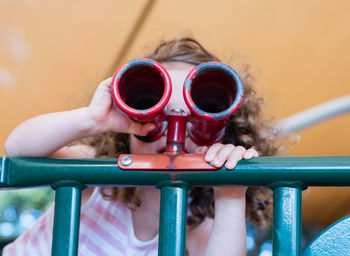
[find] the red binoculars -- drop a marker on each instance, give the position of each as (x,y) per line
(213,91)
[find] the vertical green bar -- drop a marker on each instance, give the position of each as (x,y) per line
(287,221)
(66,219)
(173,218)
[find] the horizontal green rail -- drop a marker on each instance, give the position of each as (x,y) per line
(287,176)
(261,171)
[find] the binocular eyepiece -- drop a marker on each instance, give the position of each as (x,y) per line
(213,91)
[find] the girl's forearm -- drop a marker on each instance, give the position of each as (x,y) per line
(43,135)
(228,236)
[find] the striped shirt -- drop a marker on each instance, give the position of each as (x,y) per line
(106,229)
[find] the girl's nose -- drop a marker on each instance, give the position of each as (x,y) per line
(177,100)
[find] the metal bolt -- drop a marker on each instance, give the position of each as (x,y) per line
(126,161)
(177,110)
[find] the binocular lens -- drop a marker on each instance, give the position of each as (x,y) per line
(213,90)
(141,87)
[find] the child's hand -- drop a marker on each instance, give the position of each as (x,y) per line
(108,118)
(219,154)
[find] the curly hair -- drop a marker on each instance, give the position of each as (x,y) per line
(245,127)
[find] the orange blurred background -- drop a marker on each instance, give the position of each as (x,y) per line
(54,53)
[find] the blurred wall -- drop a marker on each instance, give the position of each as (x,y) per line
(54,53)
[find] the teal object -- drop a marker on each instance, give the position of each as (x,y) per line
(287,176)
(286,221)
(65,235)
(334,240)
(261,171)
(172,219)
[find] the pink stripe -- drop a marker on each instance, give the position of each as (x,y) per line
(43,224)
(120,207)
(30,250)
(26,236)
(29,232)
(35,243)
(45,240)
(107,237)
(96,250)
(111,219)
(115,205)
(29,242)
(35,234)
(48,234)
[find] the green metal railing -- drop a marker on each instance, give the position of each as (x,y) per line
(287,176)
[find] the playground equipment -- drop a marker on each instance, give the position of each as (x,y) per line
(212,91)
(175,172)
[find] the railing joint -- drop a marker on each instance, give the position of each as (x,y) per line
(173,183)
(289,184)
(68,183)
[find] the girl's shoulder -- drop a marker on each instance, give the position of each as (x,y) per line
(75,151)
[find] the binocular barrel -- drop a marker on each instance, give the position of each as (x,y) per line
(212,91)
(141,88)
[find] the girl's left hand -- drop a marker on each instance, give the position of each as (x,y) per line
(219,154)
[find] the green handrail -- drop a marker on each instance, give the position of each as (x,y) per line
(287,176)
(262,171)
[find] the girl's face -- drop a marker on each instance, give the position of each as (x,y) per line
(178,72)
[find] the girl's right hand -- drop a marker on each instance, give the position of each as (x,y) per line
(107,117)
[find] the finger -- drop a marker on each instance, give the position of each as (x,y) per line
(105,85)
(223,155)
(234,157)
(107,82)
(212,151)
(250,153)
(201,150)
(102,93)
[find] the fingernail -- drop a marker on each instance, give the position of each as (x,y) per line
(208,158)
(217,163)
(247,155)
(229,165)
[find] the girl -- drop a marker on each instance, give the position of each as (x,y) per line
(124,221)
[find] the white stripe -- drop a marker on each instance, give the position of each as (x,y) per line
(95,239)
(8,248)
(45,238)
(84,251)
(19,244)
(115,209)
(30,249)
(108,227)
